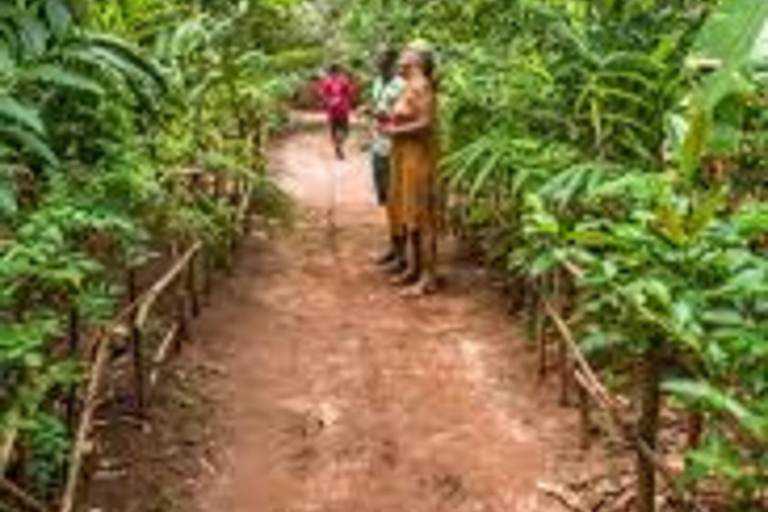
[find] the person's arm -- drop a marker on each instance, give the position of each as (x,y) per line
(422,101)
(418,125)
(367,108)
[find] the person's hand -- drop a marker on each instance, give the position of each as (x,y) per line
(388,128)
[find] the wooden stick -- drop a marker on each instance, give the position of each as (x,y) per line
(586,422)
(83,432)
(191,285)
(616,425)
(243,207)
(73,344)
(587,377)
(563,496)
(137,356)
(21,496)
(579,359)
(159,287)
(9,442)
(564,362)
(573,269)
(565,373)
(101,344)
(207,272)
(538,329)
(181,318)
(162,353)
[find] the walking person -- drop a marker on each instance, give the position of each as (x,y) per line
(336,93)
(414,173)
(387,89)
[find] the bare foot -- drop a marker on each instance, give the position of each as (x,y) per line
(387,258)
(395,267)
(427,285)
(409,277)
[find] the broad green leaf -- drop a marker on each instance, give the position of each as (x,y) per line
(53,74)
(705,209)
(133,63)
(23,115)
(729,38)
(34,34)
(543,264)
(30,143)
(705,393)
(59,17)
(8,205)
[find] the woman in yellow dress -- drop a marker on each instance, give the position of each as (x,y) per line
(414,198)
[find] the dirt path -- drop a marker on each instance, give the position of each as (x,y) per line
(337,395)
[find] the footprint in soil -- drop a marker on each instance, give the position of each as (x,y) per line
(303,459)
(449,488)
(305,427)
(389,453)
(302,430)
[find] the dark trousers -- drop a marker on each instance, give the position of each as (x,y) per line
(381,177)
(339,130)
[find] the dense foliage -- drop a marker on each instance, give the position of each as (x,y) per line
(626,139)
(106,107)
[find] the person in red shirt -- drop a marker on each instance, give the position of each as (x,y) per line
(336,93)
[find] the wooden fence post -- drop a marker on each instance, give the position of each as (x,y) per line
(694,429)
(586,425)
(565,373)
(234,200)
(529,307)
(207,271)
(181,316)
(191,284)
(539,327)
(648,424)
(73,345)
(564,361)
(71,406)
(136,344)
(247,220)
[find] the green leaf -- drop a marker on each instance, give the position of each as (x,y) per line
(543,264)
(486,172)
(58,15)
(721,317)
(729,38)
(752,220)
(136,65)
(704,393)
(30,143)
(34,34)
(705,211)
(28,117)
(695,141)
(8,205)
(54,74)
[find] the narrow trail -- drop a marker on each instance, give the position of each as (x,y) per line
(337,395)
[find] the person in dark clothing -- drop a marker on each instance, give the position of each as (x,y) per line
(387,89)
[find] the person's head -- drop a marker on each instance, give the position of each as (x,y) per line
(415,61)
(387,62)
(334,68)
